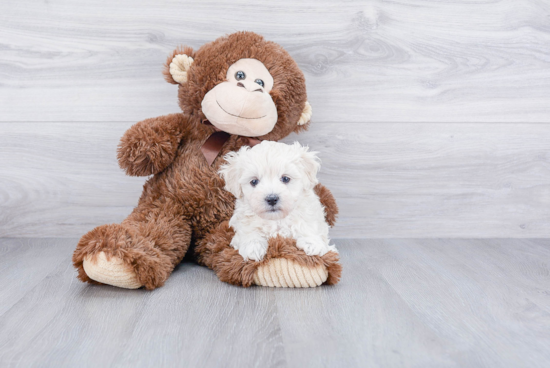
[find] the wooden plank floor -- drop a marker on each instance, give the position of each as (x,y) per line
(402,303)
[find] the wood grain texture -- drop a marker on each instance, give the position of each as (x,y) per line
(365,61)
(40,257)
(59,176)
(390,180)
(432,118)
(401,303)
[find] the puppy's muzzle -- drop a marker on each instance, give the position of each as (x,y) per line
(272,199)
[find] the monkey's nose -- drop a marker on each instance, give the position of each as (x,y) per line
(249,90)
(272,199)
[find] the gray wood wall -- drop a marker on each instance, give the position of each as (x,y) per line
(432,117)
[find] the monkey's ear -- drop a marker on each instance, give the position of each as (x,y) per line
(306,114)
(178,64)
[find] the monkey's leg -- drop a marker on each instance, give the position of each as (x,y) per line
(141,251)
(283,266)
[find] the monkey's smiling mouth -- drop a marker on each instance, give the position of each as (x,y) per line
(237,116)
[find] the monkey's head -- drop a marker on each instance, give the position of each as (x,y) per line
(242,85)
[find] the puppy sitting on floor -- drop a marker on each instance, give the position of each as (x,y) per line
(273,183)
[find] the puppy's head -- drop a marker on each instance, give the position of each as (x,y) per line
(271,177)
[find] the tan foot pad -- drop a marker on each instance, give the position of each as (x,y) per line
(281,272)
(111,272)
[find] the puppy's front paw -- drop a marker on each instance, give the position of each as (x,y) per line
(252,249)
(314,246)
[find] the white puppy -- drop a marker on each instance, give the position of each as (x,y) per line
(273,183)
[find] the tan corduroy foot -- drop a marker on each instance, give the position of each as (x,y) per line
(281,272)
(111,272)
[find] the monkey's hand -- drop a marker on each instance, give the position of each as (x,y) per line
(328,201)
(149,146)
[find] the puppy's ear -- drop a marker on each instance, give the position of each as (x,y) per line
(311,164)
(231,172)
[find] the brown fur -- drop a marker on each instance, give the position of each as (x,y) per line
(210,66)
(216,253)
(184,201)
(180,50)
(328,201)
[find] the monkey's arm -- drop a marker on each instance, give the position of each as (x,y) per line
(149,146)
(328,201)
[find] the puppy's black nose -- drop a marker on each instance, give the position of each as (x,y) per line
(272,199)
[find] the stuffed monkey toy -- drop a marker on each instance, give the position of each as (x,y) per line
(237,90)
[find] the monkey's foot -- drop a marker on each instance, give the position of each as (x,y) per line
(111,271)
(282,272)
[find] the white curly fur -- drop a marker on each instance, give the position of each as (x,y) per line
(298,212)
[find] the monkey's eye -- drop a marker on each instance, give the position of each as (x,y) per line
(240,75)
(285,179)
(254,182)
(260,82)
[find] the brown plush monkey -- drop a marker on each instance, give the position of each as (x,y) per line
(235,91)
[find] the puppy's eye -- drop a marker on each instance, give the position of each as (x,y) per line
(254,182)
(240,75)
(285,179)
(260,82)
